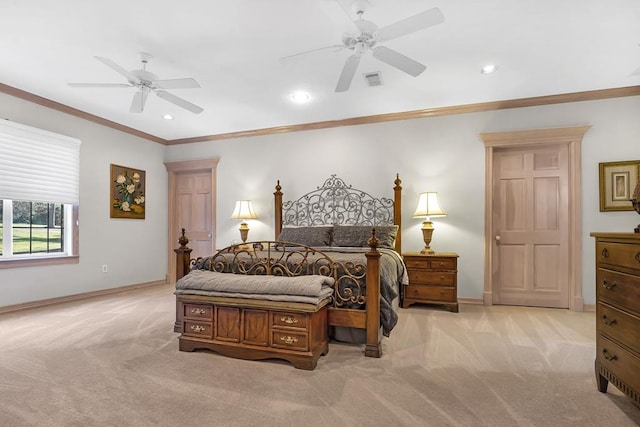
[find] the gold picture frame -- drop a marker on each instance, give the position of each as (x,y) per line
(617,182)
(127,192)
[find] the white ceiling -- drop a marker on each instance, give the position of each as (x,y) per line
(232,48)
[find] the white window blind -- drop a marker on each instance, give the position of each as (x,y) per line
(38,165)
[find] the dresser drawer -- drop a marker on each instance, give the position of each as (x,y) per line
(432,293)
(618,289)
(437,278)
(198,329)
(618,254)
(289,339)
(620,362)
(290,320)
(198,311)
(618,325)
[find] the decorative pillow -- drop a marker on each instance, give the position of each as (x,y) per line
(358,235)
(309,236)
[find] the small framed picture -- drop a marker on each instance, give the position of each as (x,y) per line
(617,182)
(127,192)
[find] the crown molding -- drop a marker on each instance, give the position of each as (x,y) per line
(591,95)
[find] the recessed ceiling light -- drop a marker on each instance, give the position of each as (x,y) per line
(488,69)
(300,97)
(167,117)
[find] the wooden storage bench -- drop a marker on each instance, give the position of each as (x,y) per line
(254,329)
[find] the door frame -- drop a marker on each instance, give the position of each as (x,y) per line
(570,136)
(173,169)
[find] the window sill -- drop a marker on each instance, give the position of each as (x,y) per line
(34,262)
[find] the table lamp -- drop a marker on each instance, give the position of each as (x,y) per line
(243,211)
(428,207)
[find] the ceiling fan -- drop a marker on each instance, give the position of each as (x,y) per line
(368,37)
(145,81)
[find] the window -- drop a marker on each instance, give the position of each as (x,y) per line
(39,180)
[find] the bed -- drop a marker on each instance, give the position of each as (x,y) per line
(336,232)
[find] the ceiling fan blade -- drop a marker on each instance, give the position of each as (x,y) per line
(398,60)
(98,85)
(139,99)
(177,83)
(411,24)
(334,48)
(179,101)
(109,63)
(348,71)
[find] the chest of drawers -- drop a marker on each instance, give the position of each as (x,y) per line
(254,329)
(618,312)
(433,279)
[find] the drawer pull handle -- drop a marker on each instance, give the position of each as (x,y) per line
(197,328)
(607,321)
(289,340)
(442,278)
(605,253)
(197,311)
(637,257)
(289,320)
(608,285)
(609,356)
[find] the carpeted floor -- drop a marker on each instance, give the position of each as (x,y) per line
(114,361)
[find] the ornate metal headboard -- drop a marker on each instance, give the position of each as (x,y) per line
(335,202)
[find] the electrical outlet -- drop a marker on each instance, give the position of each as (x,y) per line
(104,268)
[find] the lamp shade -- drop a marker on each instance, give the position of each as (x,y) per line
(428,206)
(243,210)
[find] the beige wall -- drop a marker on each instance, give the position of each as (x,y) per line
(441,154)
(134,250)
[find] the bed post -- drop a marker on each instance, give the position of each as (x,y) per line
(397,212)
(183,257)
(278,209)
(183,262)
(373,347)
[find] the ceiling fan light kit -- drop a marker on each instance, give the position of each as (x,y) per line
(145,82)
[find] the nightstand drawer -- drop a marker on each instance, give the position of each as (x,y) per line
(436,278)
(432,293)
(431,264)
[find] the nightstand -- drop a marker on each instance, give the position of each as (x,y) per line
(433,279)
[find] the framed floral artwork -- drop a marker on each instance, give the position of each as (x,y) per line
(127,192)
(617,182)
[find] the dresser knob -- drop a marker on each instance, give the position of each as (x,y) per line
(637,257)
(605,253)
(608,285)
(609,356)
(607,321)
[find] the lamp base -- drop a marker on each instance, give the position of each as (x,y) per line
(427,233)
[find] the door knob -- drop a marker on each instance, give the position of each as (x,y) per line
(497,238)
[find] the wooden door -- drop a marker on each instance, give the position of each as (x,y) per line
(530,215)
(192,201)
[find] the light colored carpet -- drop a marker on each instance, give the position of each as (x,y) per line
(114,361)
